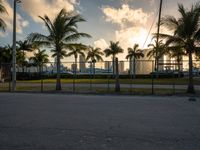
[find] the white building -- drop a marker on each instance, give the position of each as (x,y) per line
(82,65)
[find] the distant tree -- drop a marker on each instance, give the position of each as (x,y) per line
(177,52)
(94,55)
(134,54)
(5,60)
(63,31)
(39,59)
(5,54)
(157,51)
(113,50)
(76,50)
(22,47)
(186,31)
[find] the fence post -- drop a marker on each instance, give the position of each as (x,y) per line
(174,92)
(90,76)
(152,77)
(10,77)
(117,84)
(108,84)
(131,75)
(41,78)
(74,75)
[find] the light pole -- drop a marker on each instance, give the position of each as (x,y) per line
(14,47)
(158,32)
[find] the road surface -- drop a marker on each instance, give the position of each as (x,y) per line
(81,122)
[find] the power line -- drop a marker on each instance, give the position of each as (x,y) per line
(151,28)
(158,12)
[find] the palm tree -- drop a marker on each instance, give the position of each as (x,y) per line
(5,54)
(134,54)
(177,52)
(186,31)
(23,46)
(2,23)
(76,50)
(39,59)
(62,33)
(95,55)
(113,50)
(21,60)
(5,60)
(157,51)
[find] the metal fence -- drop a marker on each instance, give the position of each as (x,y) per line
(100,77)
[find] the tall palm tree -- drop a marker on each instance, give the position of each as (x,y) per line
(186,31)
(62,33)
(76,50)
(134,54)
(2,23)
(113,50)
(22,47)
(157,51)
(39,59)
(95,55)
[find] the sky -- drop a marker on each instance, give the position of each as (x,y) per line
(126,21)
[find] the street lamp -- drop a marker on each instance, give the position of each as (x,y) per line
(14,47)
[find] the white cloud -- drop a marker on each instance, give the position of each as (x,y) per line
(133,26)
(133,35)
(127,1)
(8,18)
(37,8)
(101,43)
(125,15)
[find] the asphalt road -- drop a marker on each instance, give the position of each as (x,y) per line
(81,122)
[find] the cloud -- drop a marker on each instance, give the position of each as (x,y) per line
(8,18)
(133,27)
(128,1)
(133,35)
(125,15)
(101,43)
(37,8)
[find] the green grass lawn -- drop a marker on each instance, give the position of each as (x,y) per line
(35,86)
(180,81)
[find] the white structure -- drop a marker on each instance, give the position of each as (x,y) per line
(121,67)
(82,61)
(143,65)
(108,65)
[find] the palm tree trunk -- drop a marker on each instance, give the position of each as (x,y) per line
(117,84)
(93,69)
(40,70)
(190,89)
(58,80)
(23,67)
(75,65)
(113,62)
(155,63)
